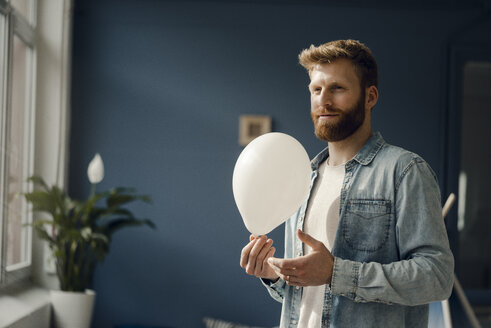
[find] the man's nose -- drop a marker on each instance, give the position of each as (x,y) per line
(325,99)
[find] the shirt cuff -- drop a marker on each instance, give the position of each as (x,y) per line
(270,284)
(275,289)
(344,280)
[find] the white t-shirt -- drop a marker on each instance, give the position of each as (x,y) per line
(321,222)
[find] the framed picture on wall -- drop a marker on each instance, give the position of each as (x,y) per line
(252,126)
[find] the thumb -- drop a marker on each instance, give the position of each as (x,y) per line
(309,240)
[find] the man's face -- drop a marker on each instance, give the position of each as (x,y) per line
(337,100)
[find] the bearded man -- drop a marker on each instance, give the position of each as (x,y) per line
(369,247)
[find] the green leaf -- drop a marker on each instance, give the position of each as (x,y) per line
(42,201)
(43,234)
(40,222)
(120,223)
(87,208)
(119,199)
(37,180)
(100,237)
(121,196)
(106,213)
(122,190)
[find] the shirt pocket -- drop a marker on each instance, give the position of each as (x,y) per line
(366,224)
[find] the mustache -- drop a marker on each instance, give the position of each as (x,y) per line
(327,111)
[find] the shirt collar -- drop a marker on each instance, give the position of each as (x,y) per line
(365,156)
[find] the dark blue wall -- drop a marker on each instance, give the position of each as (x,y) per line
(158,87)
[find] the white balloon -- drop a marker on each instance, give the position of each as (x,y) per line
(271,180)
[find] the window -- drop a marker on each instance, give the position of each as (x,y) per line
(474,211)
(17,90)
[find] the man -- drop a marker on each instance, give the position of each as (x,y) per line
(369,247)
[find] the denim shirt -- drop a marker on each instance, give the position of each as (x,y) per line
(391,251)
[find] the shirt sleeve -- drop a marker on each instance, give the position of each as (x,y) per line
(276,289)
(425,272)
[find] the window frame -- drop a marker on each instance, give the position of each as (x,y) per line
(13,24)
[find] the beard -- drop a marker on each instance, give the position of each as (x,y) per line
(349,122)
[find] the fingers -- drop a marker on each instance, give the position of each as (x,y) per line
(291,275)
(264,263)
(286,269)
(285,264)
(291,278)
(294,281)
(313,269)
(255,253)
(309,240)
(244,255)
(262,257)
(270,254)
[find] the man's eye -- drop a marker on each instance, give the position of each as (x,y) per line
(336,88)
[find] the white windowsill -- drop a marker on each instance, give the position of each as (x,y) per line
(25,306)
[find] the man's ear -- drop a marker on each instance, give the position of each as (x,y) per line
(371,96)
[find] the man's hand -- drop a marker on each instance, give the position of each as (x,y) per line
(255,255)
(314,269)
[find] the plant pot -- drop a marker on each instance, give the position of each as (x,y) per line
(72,309)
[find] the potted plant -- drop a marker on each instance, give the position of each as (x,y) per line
(79,235)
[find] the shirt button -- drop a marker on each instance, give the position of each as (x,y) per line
(294,322)
(297,288)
